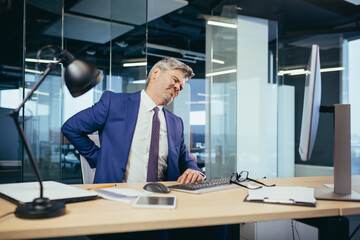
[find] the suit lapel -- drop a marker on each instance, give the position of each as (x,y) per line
(170,128)
(132,110)
(173,154)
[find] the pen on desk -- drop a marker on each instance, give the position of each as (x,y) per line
(104,186)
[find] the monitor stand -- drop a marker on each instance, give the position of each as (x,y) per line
(342,159)
(329,194)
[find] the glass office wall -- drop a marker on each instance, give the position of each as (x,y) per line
(115,45)
(116,38)
(107,34)
(176,35)
(221,89)
(338,72)
(42,113)
(250,120)
(272,131)
(110,34)
(11,80)
(350,89)
(242,113)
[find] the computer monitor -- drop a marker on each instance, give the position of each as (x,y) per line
(342,134)
(311,106)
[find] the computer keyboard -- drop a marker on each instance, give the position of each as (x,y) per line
(204,186)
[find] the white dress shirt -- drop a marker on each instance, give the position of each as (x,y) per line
(136,169)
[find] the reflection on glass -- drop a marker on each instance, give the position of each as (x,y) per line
(221,89)
(354,100)
(42,113)
(103,33)
(242,88)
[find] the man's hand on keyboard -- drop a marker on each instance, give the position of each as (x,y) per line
(190,176)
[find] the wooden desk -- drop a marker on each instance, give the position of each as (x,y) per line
(224,207)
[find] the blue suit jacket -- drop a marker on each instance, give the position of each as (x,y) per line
(115,116)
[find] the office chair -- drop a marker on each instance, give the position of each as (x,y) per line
(88,173)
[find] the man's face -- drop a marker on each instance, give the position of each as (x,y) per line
(171,82)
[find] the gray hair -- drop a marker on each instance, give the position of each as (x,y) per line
(172,64)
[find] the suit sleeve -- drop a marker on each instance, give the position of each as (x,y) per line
(185,161)
(77,128)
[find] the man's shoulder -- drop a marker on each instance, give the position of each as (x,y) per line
(171,115)
(119,96)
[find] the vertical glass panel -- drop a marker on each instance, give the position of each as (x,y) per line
(128,49)
(42,115)
(351,53)
(171,33)
(197,120)
(111,35)
(11,69)
(87,34)
(241,59)
(221,68)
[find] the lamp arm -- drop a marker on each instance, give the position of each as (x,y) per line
(48,69)
(15,115)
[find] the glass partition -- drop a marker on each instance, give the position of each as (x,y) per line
(42,113)
(171,33)
(128,50)
(338,71)
(107,34)
(11,82)
(221,69)
(242,113)
(351,88)
(110,34)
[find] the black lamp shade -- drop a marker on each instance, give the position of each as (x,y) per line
(80,77)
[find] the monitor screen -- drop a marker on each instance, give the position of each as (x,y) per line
(311,106)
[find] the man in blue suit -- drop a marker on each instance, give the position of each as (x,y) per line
(124,122)
(125,125)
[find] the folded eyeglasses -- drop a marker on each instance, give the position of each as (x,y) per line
(243,176)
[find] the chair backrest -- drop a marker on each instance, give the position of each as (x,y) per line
(88,173)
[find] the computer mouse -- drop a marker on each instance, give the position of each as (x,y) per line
(156,187)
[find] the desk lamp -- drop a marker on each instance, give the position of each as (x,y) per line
(79,78)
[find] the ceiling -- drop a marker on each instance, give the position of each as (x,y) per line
(177,25)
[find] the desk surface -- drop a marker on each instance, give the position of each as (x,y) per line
(223,207)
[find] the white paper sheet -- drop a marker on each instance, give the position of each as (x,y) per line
(119,194)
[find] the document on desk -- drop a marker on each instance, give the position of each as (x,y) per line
(25,192)
(119,194)
(300,196)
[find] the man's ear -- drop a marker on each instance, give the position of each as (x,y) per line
(155,72)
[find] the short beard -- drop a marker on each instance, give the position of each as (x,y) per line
(168,99)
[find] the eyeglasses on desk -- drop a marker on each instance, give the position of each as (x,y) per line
(242,177)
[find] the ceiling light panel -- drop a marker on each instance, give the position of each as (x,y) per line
(78,28)
(355,2)
(132,12)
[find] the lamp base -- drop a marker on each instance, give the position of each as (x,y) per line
(40,208)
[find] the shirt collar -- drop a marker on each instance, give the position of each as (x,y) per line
(148,102)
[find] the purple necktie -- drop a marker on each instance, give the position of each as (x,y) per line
(152,171)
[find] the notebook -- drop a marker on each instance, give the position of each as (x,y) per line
(300,196)
(25,192)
